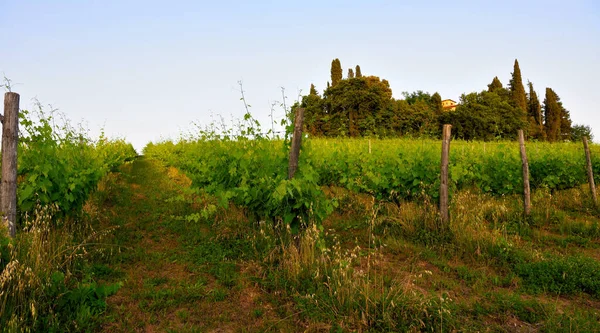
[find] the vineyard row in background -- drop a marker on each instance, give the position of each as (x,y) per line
(251,171)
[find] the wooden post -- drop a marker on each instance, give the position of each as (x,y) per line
(369,146)
(8,185)
(590,172)
(296,142)
(526,189)
(444,174)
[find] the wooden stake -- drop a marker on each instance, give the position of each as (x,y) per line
(590,172)
(369,146)
(444,174)
(8,185)
(526,189)
(296,142)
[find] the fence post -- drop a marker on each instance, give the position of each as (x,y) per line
(8,185)
(526,189)
(590,172)
(296,142)
(444,174)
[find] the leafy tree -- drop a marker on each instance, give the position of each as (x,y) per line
(412,98)
(517,91)
(436,103)
(358,72)
(336,72)
(534,115)
(579,131)
(355,105)
(484,116)
(313,90)
(495,85)
(350,73)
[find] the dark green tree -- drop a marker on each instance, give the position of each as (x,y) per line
(484,116)
(535,118)
(565,124)
(517,90)
(436,103)
(336,72)
(356,107)
(358,73)
(350,73)
(579,131)
(495,85)
(552,115)
(313,90)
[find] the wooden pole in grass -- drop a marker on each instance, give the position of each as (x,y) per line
(444,174)
(590,172)
(526,189)
(8,184)
(296,142)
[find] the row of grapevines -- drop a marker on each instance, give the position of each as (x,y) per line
(58,164)
(249,173)
(252,172)
(407,168)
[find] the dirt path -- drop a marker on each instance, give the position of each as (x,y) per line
(177,275)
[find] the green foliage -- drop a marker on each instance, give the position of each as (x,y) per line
(568,275)
(401,168)
(355,107)
(495,85)
(61,165)
(336,72)
(535,118)
(251,174)
(517,90)
(579,131)
(484,116)
(436,103)
(313,90)
(73,305)
(357,71)
(558,121)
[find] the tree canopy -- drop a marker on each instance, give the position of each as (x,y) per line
(364,106)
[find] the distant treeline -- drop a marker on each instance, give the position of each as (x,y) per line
(362,105)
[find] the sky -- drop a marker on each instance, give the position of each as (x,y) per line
(148,70)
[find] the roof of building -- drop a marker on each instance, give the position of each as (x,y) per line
(449,100)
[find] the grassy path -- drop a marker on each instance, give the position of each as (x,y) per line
(178,276)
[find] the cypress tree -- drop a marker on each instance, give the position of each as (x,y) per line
(436,102)
(495,85)
(552,115)
(565,123)
(358,72)
(350,73)
(534,113)
(517,91)
(336,72)
(313,90)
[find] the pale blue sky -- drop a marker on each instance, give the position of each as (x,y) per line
(146,69)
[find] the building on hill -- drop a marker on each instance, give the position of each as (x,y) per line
(449,105)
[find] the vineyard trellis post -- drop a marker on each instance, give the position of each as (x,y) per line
(296,142)
(526,188)
(590,171)
(444,174)
(10,138)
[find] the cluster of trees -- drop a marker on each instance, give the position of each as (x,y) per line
(362,105)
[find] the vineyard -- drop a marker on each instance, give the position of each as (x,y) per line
(212,234)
